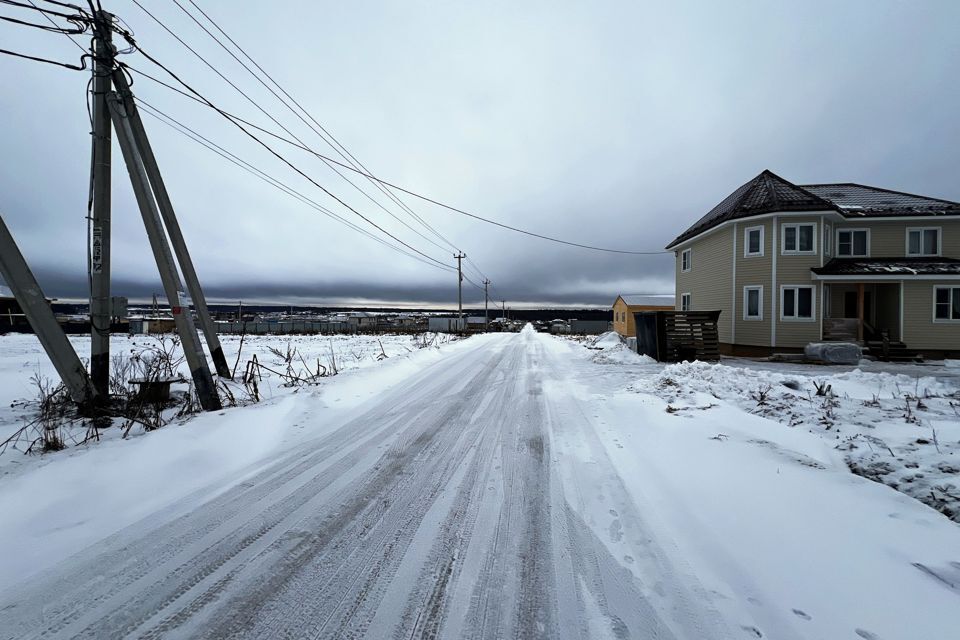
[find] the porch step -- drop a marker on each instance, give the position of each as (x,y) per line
(895,352)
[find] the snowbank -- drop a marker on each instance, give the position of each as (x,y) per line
(612,349)
(901,431)
(763,521)
(55,504)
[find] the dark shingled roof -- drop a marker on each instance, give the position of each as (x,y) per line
(766,193)
(889,267)
(859,200)
(769,193)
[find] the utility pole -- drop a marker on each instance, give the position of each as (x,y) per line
(172,226)
(460,256)
(486,304)
(25,289)
(100,311)
(503,303)
(196,360)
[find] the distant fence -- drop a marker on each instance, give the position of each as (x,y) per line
(311,327)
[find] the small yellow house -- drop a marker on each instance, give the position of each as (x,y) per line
(627,304)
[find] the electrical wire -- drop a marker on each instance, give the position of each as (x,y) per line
(280,157)
(265,112)
(82,67)
(238,119)
(51,21)
(81,15)
(54,29)
(326,136)
(198,138)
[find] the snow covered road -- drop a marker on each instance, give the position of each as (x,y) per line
(435,513)
(487,495)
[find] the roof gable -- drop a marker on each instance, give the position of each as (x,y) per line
(766,193)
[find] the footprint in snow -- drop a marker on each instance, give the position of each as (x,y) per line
(863,633)
(616,531)
(802,614)
(753,631)
(614,513)
(628,559)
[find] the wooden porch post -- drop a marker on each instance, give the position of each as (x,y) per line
(860,312)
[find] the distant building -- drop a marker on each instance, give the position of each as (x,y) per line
(11,316)
(627,304)
(445,325)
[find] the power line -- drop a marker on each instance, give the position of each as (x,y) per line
(198,138)
(53,22)
(238,119)
(43,27)
(279,156)
(264,111)
(81,15)
(82,67)
(335,144)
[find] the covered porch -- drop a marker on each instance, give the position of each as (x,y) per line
(862,312)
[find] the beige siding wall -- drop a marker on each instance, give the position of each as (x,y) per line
(753,271)
(920,331)
(622,321)
(712,284)
(888,239)
(795,270)
(709,280)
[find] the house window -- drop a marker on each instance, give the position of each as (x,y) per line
(684,302)
(753,303)
(946,304)
(799,238)
(797,303)
(923,241)
(752,242)
(826,240)
(853,243)
(686,259)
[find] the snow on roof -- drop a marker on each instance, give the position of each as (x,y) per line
(644,300)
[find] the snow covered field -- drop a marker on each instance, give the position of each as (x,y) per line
(501,486)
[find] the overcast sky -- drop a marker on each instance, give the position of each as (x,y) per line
(608,123)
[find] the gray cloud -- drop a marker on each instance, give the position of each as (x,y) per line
(614,124)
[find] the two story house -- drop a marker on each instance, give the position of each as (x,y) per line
(792,264)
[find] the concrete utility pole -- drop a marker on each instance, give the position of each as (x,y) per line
(486,304)
(190,341)
(100,312)
(460,256)
(25,289)
(503,303)
(172,226)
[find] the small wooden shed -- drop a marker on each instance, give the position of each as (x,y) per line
(628,304)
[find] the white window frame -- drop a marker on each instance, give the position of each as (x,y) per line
(686,256)
(796,306)
(939,252)
(746,241)
(827,240)
(951,288)
(797,225)
(686,301)
(746,305)
(852,230)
